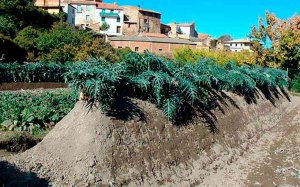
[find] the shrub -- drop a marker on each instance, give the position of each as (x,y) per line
(186,54)
(295,84)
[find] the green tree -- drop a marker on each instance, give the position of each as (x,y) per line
(7,27)
(23,13)
(98,48)
(27,37)
(62,38)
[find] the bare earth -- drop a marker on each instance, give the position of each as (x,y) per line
(255,145)
(273,161)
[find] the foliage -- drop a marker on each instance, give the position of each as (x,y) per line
(7,27)
(32,111)
(97,48)
(23,13)
(104,27)
(172,86)
(123,52)
(295,84)
(276,42)
(37,72)
(186,54)
(225,38)
(26,38)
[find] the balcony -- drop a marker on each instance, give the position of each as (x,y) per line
(109,14)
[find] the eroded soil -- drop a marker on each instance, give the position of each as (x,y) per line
(273,161)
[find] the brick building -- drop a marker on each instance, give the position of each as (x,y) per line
(157,45)
(138,20)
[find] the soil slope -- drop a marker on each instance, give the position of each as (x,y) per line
(137,146)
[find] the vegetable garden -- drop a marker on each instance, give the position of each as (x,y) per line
(176,88)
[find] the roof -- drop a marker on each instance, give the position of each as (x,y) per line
(158,35)
(182,24)
(83,2)
(108,6)
(152,39)
(151,11)
(203,36)
(142,10)
(194,39)
(239,41)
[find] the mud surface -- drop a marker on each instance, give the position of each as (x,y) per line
(137,146)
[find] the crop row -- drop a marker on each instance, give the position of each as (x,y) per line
(174,87)
(26,111)
(32,72)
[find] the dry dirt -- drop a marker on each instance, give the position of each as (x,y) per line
(248,145)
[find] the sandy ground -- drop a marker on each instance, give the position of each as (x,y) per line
(273,161)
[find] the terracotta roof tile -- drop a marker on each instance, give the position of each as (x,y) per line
(108,6)
(203,36)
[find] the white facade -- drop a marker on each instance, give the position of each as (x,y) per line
(188,30)
(85,14)
(113,17)
(183,29)
(70,11)
(239,45)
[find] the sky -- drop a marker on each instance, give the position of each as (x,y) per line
(217,17)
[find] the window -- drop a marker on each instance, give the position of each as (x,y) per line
(88,18)
(118,19)
(103,19)
(118,29)
(88,8)
(136,49)
(79,9)
(119,47)
(235,45)
(111,11)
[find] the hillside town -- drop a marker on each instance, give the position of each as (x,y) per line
(136,27)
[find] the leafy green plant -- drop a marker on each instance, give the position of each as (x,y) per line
(173,86)
(32,72)
(295,84)
(31,111)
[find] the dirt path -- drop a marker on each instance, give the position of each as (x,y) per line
(273,161)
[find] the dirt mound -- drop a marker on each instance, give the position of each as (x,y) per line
(136,145)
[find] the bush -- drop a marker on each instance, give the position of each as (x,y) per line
(295,84)
(25,111)
(186,54)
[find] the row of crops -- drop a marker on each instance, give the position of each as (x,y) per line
(32,111)
(32,72)
(171,86)
(176,88)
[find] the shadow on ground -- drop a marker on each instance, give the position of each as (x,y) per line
(10,176)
